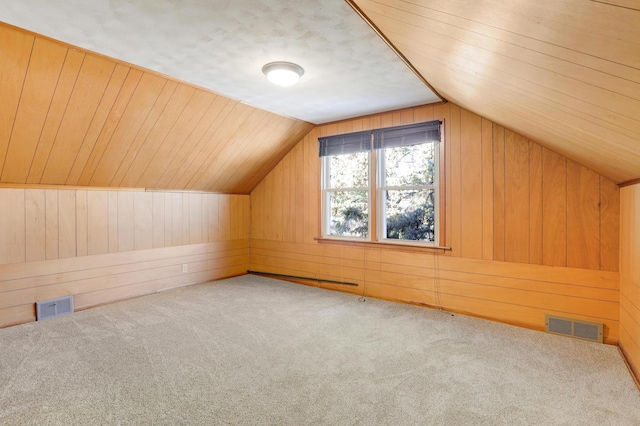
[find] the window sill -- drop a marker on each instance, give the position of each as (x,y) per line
(379,244)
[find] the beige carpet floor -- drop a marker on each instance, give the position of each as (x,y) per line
(252,350)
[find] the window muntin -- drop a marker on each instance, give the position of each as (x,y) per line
(405,183)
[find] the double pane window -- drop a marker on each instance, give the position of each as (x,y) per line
(404,181)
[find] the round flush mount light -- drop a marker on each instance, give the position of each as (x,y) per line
(283,73)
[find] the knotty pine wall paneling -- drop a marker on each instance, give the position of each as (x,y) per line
(106,245)
(512,219)
(630,275)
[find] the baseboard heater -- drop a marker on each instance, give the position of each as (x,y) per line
(54,308)
(322,280)
(580,329)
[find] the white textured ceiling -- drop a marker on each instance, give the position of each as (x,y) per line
(223,44)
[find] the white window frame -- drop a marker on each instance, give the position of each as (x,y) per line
(382,188)
(376,179)
(326,199)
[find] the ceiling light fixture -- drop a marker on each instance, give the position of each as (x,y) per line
(283,73)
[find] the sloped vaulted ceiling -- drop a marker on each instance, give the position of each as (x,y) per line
(565,73)
(71,117)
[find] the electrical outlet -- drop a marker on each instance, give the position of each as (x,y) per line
(184,267)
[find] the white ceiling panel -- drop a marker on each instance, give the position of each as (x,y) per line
(222,45)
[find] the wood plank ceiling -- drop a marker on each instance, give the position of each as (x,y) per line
(72,117)
(563,73)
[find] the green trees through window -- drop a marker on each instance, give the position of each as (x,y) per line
(407,185)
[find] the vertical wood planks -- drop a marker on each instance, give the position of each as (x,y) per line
(195,218)
(516,193)
(498,192)
(583,224)
(554,209)
(82,230)
(629,272)
(487,189)
(455,174)
(143,220)
(113,222)
(224,217)
(257,203)
(288,230)
(609,225)
(98,222)
(125,221)
(51,224)
(236,217)
(312,188)
(442,113)
(276,203)
(246,217)
(12,226)
(535,203)
(186,209)
(268,218)
(35,223)
(214,217)
(66,223)
(158,213)
(471,185)
(176,219)
(299,194)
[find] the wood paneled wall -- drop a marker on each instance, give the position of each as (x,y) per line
(630,275)
(105,245)
(554,223)
(72,117)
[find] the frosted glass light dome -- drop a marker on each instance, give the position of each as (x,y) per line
(283,73)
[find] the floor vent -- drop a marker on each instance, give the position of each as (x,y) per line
(54,308)
(581,329)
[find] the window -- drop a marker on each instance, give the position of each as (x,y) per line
(382,185)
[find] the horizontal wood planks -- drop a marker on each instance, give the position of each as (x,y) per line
(569,81)
(513,220)
(99,279)
(514,293)
(70,117)
(106,245)
(630,275)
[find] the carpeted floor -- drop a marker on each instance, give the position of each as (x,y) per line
(252,350)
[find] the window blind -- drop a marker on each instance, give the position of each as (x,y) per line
(412,134)
(349,143)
